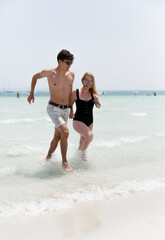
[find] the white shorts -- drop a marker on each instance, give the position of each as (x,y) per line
(58,116)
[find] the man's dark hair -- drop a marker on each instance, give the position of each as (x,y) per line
(64,54)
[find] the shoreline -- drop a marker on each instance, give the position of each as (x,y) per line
(139,216)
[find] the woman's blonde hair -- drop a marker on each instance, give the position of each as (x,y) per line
(93,87)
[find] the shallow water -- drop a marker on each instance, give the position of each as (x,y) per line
(126,155)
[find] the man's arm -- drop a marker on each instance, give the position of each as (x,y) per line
(42,74)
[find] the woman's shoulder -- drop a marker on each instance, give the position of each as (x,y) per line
(76,90)
(75,94)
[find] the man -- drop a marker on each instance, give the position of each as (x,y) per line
(60,81)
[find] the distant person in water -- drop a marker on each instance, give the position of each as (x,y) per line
(85,98)
(18,95)
(59,108)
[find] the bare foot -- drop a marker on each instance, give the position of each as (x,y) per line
(48,157)
(84,156)
(67,167)
(50,152)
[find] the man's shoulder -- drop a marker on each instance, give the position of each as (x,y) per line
(71,74)
(49,70)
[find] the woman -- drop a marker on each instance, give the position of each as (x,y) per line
(85,99)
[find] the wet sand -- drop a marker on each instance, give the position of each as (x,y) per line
(139,216)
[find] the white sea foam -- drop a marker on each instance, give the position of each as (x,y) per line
(7,171)
(22,150)
(139,114)
(133,139)
(109,144)
(120,141)
(66,200)
(159,134)
(24,120)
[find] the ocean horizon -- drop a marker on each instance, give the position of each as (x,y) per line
(100,92)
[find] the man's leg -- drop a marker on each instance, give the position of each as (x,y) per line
(64,145)
(54,143)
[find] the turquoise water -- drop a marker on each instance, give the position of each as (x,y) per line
(125,157)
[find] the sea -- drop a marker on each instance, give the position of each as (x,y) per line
(126,156)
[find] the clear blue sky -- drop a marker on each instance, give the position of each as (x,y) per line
(121,42)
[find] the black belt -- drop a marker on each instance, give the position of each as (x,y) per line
(59,105)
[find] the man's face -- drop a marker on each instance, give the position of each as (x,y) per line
(66,64)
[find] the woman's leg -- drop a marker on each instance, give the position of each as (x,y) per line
(81,142)
(85,132)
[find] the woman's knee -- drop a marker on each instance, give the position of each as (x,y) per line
(89,137)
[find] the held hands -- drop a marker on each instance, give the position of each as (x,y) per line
(71,115)
(31,98)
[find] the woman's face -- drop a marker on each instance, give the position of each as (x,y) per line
(87,81)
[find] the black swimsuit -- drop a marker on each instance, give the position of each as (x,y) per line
(84,110)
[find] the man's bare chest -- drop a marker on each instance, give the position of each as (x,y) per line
(59,83)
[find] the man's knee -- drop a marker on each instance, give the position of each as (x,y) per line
(65,133)
(57,137)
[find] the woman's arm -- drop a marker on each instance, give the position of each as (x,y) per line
(97,103)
